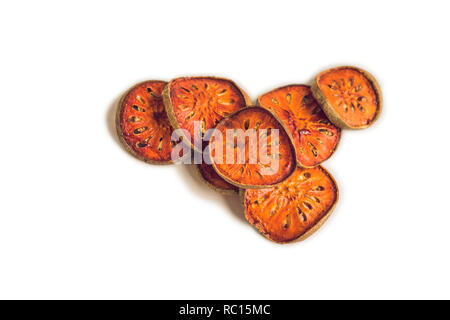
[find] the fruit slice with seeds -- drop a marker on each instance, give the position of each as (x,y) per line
(255,150)
(213,180)
(295,208)
(205,100)
(315,138)
(142,123)
(350,97)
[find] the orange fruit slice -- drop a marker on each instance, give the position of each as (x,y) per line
(351,97)
(204,99)
(213,180)
(142,123)
(315,138)
(295,208)
(245,165)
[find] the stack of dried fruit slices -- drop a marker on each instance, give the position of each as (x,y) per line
(285,202)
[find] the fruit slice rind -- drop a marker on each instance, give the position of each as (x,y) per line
(170,107)
(282,131)
(119,130)
(332,113)
(260,225)
(288,129)
(211,185)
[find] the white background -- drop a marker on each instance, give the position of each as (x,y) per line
(81,218)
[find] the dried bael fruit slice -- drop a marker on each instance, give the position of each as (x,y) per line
(255,150)
(350,97)
(294,209)
(213,180)
(142,123)
(314,137)
(205,100)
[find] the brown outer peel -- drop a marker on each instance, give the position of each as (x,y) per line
(329,110)
(210,185)
(244,186)
(120,135)
(171,114)
(311,230)
(287,129)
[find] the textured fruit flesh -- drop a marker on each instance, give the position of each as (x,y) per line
(314,136)
(287,211)
(203,99)
(209,174)
(144,123)
(245,165)
(351,94)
